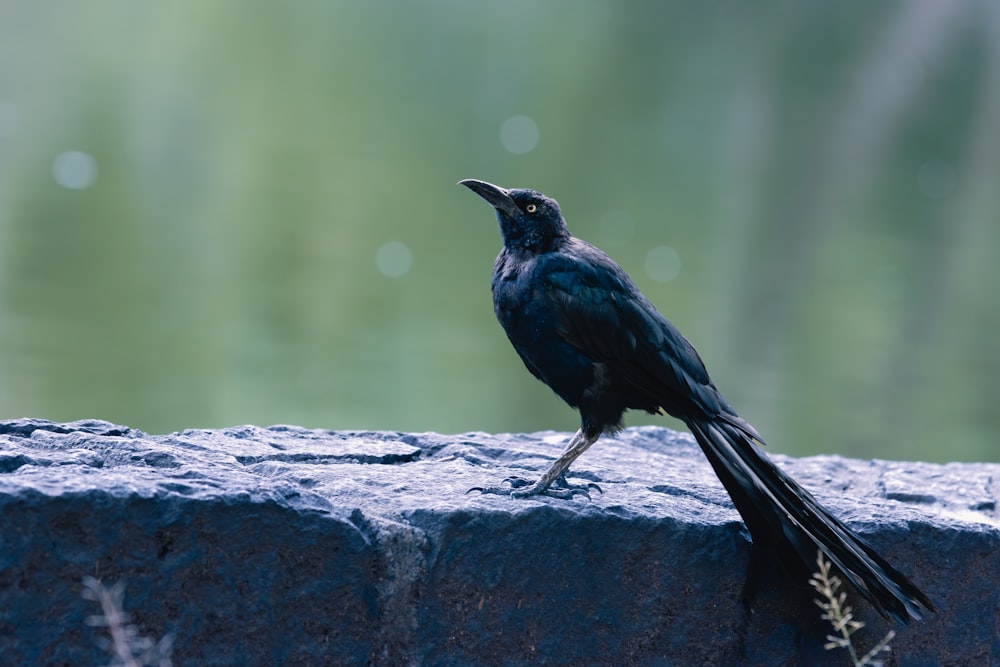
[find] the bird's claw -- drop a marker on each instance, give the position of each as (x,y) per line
(519,487)
(585,489)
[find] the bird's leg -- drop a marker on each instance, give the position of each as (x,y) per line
(553,482)
(577,445)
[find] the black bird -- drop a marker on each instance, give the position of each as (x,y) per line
(582,327)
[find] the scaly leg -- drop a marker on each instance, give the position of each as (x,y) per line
(553,482)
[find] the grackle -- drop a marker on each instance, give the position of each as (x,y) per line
(582,327)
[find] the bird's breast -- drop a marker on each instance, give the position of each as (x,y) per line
(532,322)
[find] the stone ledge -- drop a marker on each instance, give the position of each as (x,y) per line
(283,545)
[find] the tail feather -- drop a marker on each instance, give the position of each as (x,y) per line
(775,507)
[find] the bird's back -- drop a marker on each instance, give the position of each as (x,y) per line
(581,326)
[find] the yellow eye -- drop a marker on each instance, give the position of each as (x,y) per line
(530,208)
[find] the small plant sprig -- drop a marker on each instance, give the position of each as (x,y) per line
(841,617)
(127,646)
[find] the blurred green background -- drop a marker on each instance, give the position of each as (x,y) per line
(215,213)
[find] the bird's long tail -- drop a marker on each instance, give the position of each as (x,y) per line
(775,507)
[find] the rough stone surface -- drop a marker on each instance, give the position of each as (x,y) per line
(289,546)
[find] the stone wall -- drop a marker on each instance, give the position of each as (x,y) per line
(288,546)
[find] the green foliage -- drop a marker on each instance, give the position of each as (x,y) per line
(826,178)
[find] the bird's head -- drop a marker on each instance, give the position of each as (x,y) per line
(528,220)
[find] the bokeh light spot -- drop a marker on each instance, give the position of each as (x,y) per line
(74,170)
(663,264)
(519,134)
(394,259)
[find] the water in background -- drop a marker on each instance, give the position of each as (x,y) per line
(229,212)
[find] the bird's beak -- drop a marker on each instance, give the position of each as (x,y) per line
(498,197)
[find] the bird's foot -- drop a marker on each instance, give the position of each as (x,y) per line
(519,487)
(561,482)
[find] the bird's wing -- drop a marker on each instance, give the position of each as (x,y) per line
(603,315)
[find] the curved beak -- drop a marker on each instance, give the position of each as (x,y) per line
(499,198)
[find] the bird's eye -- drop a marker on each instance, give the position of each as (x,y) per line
(530,208)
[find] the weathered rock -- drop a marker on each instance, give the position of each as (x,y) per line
(288,546)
